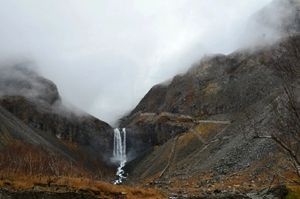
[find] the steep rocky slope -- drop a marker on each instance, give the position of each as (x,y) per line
(226,101)
(219,88)
(31,111)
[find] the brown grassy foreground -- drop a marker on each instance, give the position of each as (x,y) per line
(69,184)
(25,167)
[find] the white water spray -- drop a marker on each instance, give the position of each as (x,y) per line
(119,153)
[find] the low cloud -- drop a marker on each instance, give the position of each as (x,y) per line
(105,55)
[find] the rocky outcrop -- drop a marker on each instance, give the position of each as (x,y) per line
(147,130)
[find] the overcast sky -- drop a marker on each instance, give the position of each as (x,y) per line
(104,55)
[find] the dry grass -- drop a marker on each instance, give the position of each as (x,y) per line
(207,130)
(27,167)
(71,145)
(211,89)
(185,139)
(19,158)
(63,184)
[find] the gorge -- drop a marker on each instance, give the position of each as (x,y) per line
(228,127)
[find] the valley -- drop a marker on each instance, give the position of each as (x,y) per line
(228,127)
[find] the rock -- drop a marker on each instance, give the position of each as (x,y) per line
(146,130)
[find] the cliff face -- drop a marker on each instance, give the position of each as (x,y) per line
(84,130)
(32,101)
(216,86)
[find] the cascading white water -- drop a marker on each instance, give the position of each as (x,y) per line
(119,153)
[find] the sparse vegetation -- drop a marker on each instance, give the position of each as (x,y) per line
(18,158)
(27,167)
(286,107)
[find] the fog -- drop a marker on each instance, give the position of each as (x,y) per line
(104,55)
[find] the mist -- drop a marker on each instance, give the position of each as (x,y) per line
(105,55)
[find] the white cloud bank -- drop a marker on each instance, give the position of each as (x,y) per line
(104,55)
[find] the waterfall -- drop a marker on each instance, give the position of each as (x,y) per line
(119,153)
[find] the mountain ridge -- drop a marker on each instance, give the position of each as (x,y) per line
(33,102)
